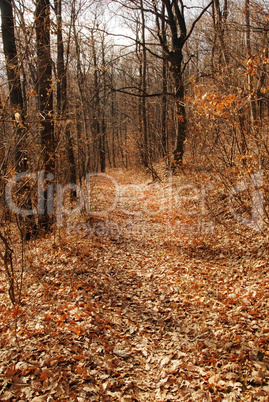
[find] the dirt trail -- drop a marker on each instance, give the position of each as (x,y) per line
(142,303)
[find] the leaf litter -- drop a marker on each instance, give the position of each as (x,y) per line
(135,306)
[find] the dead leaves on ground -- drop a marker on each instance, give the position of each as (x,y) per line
(147,315)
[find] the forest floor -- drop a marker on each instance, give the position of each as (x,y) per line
(146,299)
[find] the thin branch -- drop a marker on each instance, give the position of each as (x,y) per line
(197,19)
(124,90)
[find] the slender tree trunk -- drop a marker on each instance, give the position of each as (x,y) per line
(45,99)
(112,117)
(85,155)
(97,125)
(26,223)
(146,155)
(14,82)
(61,96)
(164,88)
(181,126)
(249,76)
(219,26)
(164,109)
(103,139)
(140,140)
(10,51)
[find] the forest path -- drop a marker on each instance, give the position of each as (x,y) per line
(140,303)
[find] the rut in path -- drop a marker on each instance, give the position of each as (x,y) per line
(140,256)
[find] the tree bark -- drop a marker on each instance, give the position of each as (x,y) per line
(219,21)
(249,75)
(177,25)
(14,82)
(164,88)
(45,103)
(97,125)
(146,156)
(61,96)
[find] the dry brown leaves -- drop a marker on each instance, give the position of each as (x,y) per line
(139,305)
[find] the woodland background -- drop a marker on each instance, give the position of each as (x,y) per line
(109,84)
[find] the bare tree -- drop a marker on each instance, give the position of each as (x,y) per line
(174,16)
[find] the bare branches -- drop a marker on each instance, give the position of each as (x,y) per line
(198,19)
(138,94)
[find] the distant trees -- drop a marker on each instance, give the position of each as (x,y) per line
(164,38)
(96,65)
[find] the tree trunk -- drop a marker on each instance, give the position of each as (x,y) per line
(23,193)
(45,99)
(14,83)
(62,102)
(146,156)
(174,52)
(249,75)
(103,139)
(219,26)
(164,109)
(181,122)
(164,88)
